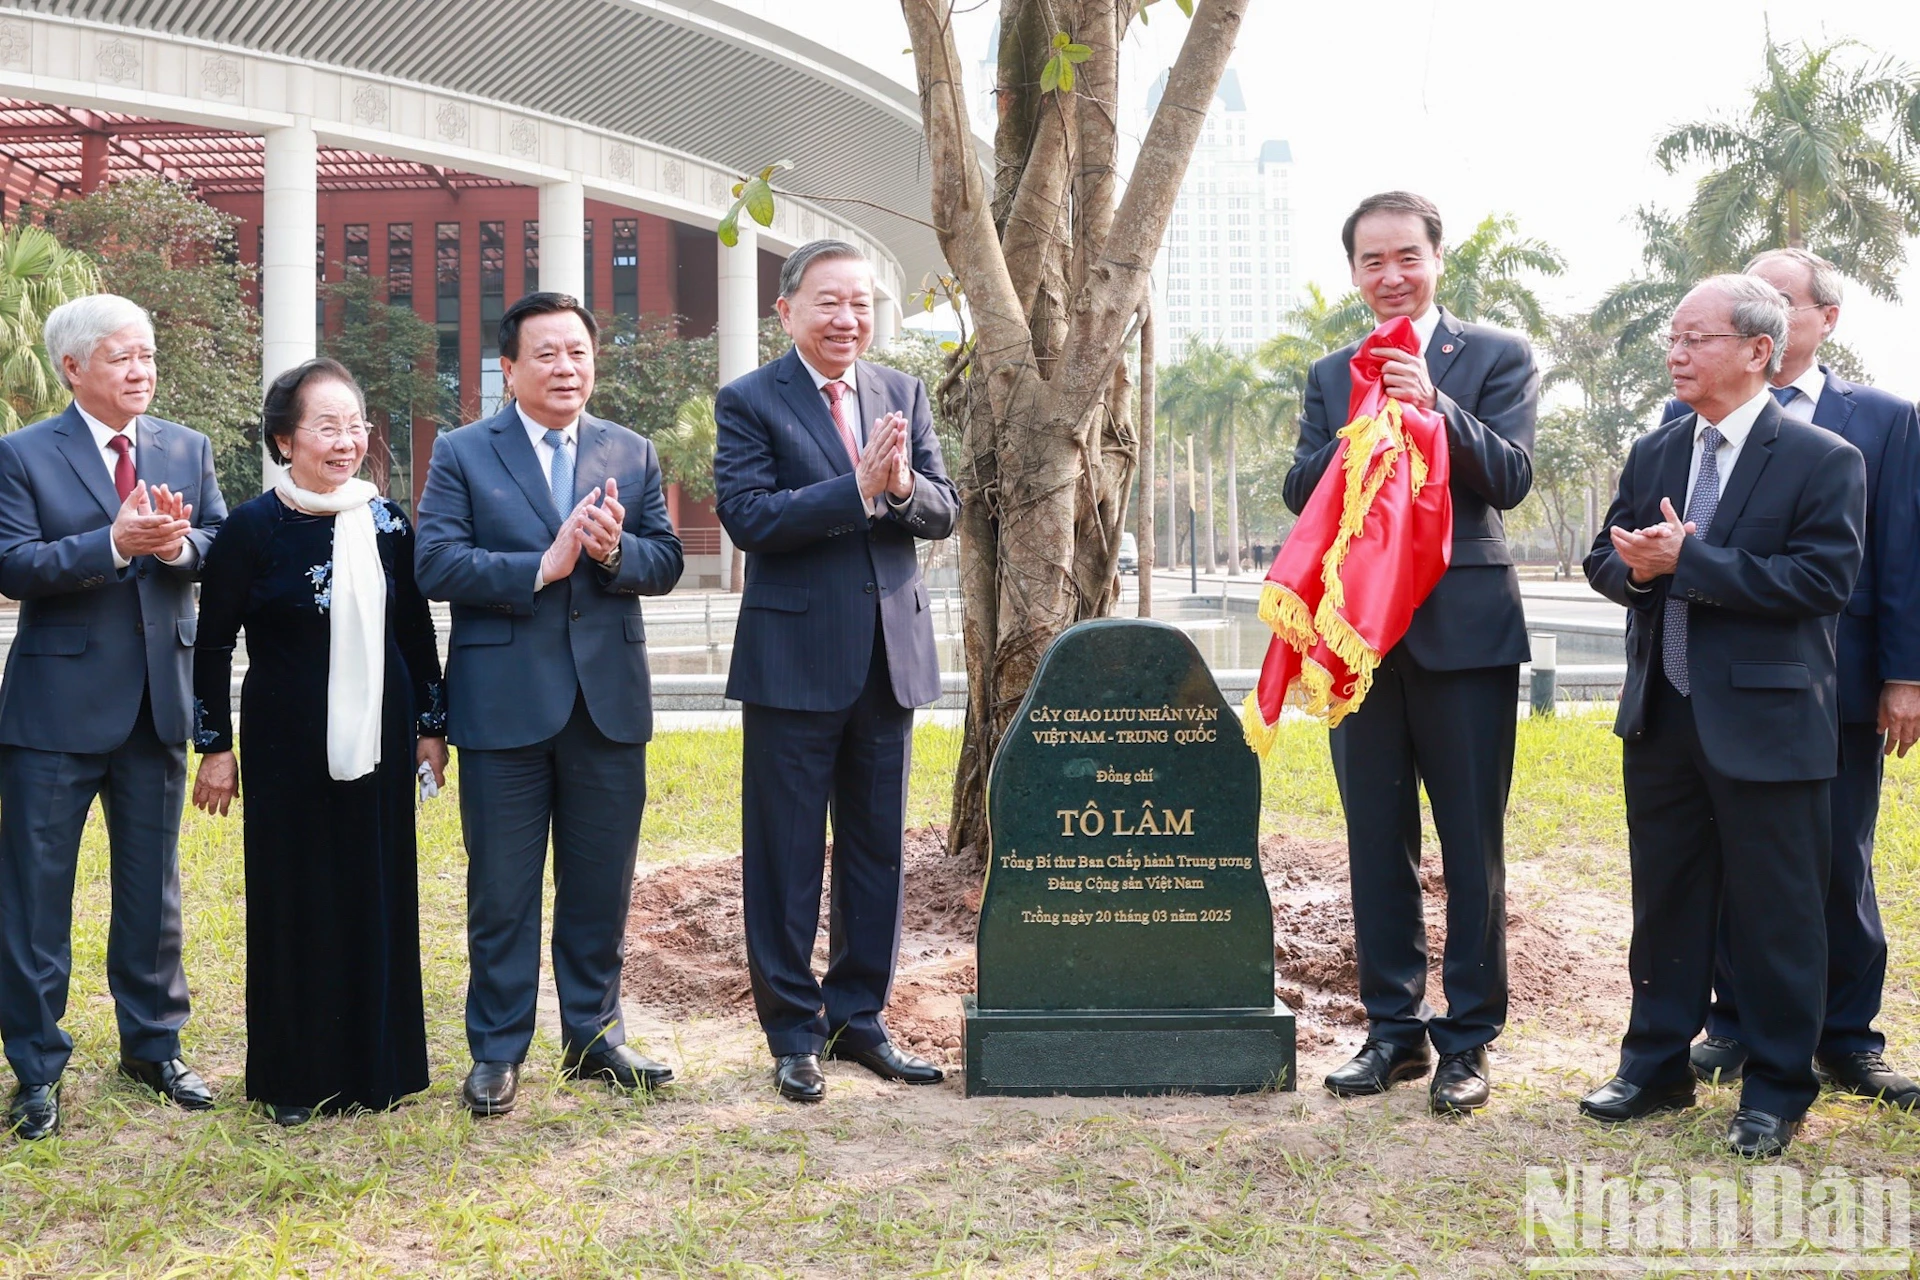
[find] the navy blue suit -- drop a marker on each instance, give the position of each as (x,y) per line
(1878,639)
(97,700)
(1727,789)
(549,704)
(833,650)
(1441,709)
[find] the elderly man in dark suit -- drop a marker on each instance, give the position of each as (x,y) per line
(1728,713)
(827,472)
(1878,645)
(105,515)
(524,528)
(1443,702)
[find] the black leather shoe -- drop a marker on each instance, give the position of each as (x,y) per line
(1377,1068)
(797,1076)
(1619,1100)
(491,1088)
(1868,1075)
(35,1111)
(172,1080)
(619,1065)
(889,1063)
(290,1117)
(1459,1085)
(1759,1135)
(1718,1060)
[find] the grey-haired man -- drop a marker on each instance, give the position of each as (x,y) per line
(105,515)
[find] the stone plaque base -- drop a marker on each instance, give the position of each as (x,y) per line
(1103,1052)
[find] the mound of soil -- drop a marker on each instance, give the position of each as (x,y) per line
(686,952)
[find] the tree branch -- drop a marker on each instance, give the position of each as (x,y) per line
(1119,279)
(961,210)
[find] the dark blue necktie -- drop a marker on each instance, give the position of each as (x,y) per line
(1701,505)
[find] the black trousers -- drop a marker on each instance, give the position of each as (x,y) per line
(1856,941)
(799,767)
(44,799)
(1716,856)
(1454,731)
(589,792)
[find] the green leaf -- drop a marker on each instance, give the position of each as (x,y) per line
(1061,39)
(766,174)
(759,201)
(1066,75)
(738,187)
(1050,75)
(1076,52)
(730,226)
(1186,6)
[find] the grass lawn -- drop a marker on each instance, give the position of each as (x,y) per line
(718,1177)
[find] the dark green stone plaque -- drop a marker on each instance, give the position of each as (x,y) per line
(1126,937)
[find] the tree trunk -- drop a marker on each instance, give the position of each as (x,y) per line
(1233,505)
(1148,456)
(1173,502)
(1055,273)
(1213,555)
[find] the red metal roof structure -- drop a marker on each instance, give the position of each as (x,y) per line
(47,152)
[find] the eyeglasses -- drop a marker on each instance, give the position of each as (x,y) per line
(1688,341)
(334,435)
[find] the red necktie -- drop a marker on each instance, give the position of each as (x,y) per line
(834,391)
(123,478)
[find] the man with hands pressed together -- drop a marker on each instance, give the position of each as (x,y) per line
(1728,712)
(524,530)
(105,516)
(1442,705)
(826,472)
(1877,644)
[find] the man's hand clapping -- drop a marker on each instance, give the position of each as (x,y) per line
(601,525)
(880,462)
(151,523)
(1655,550)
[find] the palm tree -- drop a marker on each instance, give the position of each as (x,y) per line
(1639,308)
(1483,276)
(1308,331)
(1818,162)
(1187,408)
(37,274)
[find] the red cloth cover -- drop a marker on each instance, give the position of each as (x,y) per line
(1375,537)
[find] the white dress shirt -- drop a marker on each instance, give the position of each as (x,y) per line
(1424,324)
(537,436)
(1734,430)
(1811,382)
(103,436)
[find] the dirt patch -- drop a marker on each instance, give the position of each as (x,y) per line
(686,952)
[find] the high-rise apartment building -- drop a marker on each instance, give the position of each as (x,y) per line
(1225,271)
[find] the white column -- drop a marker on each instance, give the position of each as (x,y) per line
(288,287)
(886,321)
(737,335)
(563,238)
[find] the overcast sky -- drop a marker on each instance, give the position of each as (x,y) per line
(1547,112)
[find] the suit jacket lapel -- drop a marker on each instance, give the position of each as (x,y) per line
(796,387)
(523,464)
(1676,460)
(152,454)
(1449,339)
(87,460)
(874,403)
(1835,406)
(590,459)
(1746,472)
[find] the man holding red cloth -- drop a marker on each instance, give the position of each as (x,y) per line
(1441,704)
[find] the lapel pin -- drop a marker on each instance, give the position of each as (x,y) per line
(1446,349)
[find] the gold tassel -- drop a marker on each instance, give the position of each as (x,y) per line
(1260,734)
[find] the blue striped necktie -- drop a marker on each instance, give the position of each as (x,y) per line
(1700,508)
(560,474)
